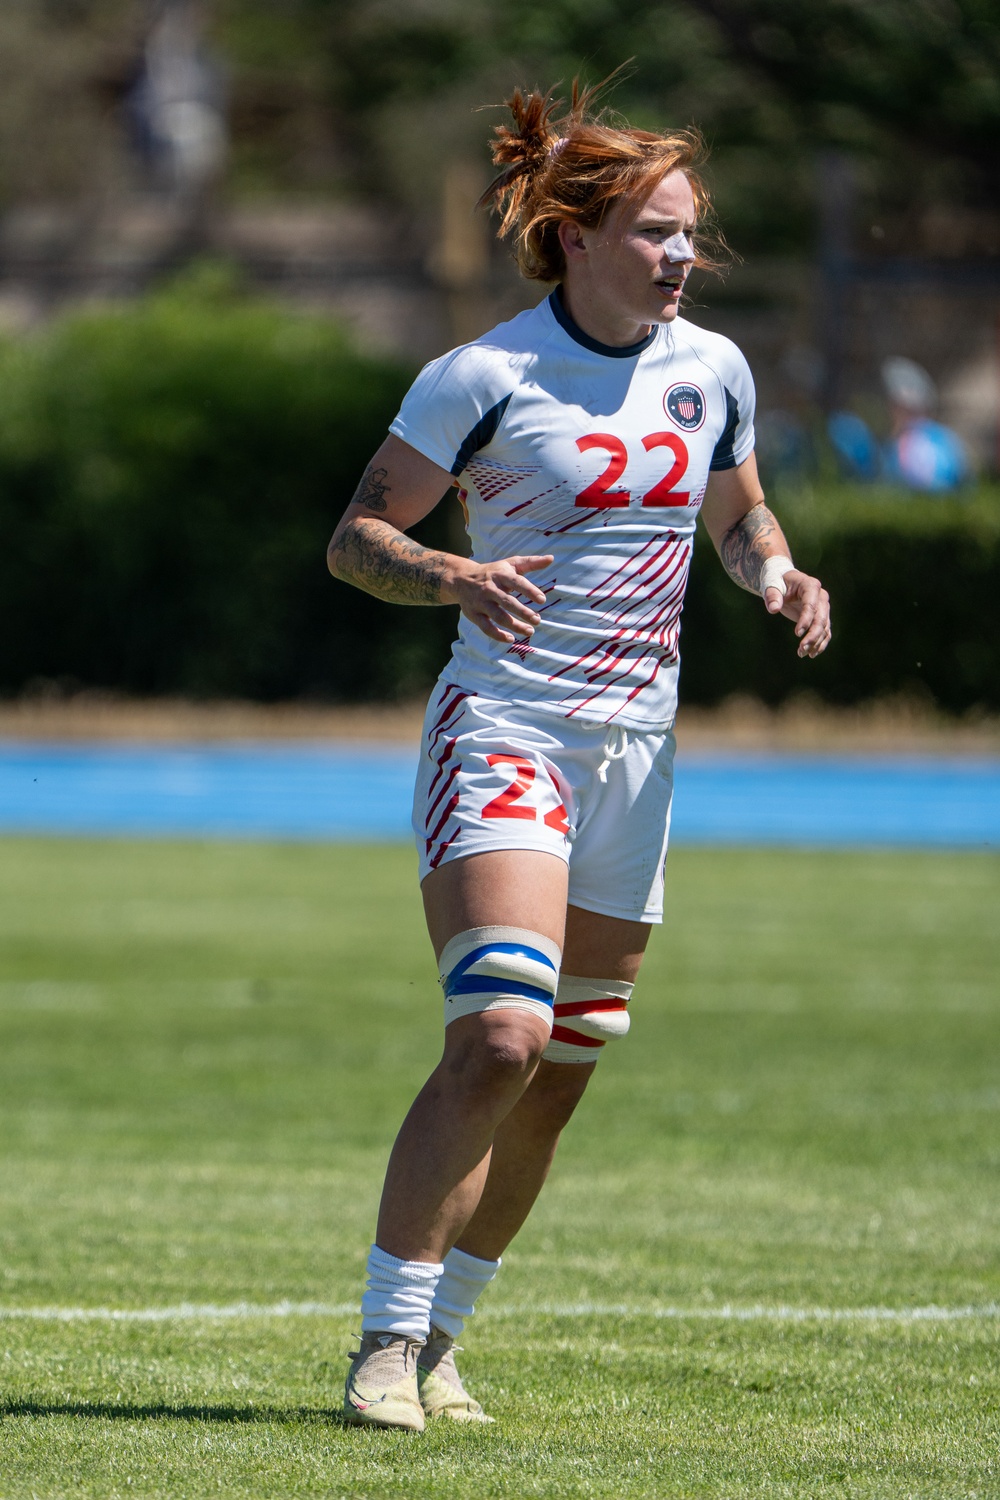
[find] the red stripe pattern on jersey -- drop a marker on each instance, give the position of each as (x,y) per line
(642,598)
(491,477)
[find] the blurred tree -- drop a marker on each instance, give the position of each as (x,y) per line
(55,135)
(372,97)
(928,71)
(909,87)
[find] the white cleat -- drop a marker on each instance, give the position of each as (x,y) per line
(442,1393)
(381,1388)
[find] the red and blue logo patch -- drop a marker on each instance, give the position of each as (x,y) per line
(685,405)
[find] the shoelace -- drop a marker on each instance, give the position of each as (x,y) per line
(411,1344)
(615,747)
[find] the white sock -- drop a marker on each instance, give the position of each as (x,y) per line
(463,1279)
(399,1296)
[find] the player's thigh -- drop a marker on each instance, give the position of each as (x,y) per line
(617,859)
(602,947)
(523,888)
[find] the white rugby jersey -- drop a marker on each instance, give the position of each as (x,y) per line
(599,456)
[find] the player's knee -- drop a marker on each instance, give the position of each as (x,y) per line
(510,1045)
(506,973)
(492,1056)
(588,1013)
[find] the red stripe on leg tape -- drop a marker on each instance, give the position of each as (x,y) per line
(585,1007)
(563,1034)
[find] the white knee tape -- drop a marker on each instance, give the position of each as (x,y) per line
(499,968)
(587,1014)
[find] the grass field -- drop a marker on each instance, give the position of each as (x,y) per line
(205,1050)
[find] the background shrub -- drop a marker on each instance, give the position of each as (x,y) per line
(169,477)
(915,588)
(170,474)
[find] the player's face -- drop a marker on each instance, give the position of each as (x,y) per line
(642,259)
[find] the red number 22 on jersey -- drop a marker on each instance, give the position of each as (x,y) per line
(600,496)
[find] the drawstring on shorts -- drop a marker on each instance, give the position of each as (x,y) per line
(615,747)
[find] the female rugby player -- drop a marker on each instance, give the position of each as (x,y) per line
(585,437)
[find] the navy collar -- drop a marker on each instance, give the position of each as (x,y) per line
(614,351)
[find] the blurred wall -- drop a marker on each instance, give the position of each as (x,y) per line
(851,163)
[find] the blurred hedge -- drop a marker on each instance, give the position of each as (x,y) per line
(170,474)
(915,590)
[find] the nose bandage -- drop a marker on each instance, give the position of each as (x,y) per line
(588,1014)
(499,968)
(678,248)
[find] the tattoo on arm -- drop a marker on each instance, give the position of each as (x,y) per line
(377,558)
(372,489)
(746,546)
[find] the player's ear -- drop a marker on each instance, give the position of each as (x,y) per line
(572,239)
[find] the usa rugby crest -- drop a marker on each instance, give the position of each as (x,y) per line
(685,405)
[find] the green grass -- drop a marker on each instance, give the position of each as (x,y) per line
(205,1050)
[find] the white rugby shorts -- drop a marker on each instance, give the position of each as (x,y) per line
(494,775)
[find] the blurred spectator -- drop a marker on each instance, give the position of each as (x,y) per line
(175,107)
(920,453)
(855,446)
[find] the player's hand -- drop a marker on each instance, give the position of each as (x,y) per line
(487,594)
(808,604)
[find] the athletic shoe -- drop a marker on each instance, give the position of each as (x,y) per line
(442,1393)
(381,1388)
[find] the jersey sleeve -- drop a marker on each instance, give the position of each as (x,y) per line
(455,406)
(737,439)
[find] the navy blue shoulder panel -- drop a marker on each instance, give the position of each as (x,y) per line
(483,433)
(724,457)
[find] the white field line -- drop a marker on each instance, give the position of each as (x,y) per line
(191,1312)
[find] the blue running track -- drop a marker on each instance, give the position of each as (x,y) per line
(363,793)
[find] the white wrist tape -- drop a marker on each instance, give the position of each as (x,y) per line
(772,575)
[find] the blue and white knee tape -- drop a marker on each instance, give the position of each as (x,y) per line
(499,968)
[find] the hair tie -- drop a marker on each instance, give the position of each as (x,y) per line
(558,145)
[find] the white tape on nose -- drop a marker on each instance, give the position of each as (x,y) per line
(678,248)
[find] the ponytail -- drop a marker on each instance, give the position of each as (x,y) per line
(521,153)
(579,166)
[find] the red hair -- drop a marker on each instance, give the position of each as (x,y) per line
(579,166)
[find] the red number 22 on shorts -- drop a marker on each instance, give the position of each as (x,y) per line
(509,803)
